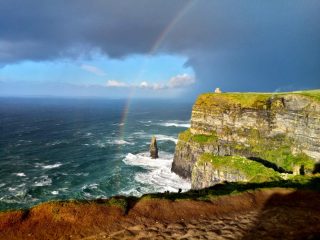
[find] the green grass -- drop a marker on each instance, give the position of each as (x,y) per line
(253,171)
(120,202)
(277,150)
(187,136)
(314,94)
(246,99)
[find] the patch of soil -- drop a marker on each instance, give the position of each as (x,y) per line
(261,214)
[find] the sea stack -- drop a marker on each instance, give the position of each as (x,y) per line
(154,148)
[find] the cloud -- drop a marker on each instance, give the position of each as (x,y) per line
(237,45)
(117,84)
(179,81)
(144,84)
(92,69)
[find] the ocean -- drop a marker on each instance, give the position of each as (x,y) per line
(57,149)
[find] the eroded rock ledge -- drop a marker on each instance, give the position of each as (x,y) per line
(278,132)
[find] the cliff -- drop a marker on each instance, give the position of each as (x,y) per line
(279,134)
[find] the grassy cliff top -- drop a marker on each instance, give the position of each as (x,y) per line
(187,136)
(254,171)
(248,99)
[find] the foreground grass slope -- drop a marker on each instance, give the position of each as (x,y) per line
(281,212)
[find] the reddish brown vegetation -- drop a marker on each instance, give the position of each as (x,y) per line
(72,220)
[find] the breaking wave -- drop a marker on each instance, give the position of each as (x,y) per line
(175,123)
(158,176)
(161,137)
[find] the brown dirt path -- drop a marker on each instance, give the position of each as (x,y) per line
(262,214)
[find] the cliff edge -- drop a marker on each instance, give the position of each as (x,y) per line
(250,137)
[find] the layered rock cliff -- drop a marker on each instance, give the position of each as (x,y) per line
(280,132)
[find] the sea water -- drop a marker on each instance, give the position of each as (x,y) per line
(56,149)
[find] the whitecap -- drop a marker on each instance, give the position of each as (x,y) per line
(102,144)
(118,124)
(55,192)
(175,123)
(139,133)
(90,186)
(20,174)
(121,142)
(56,143)
(43,181)
(134,191)
(81,174)
(56,165)
(161,137)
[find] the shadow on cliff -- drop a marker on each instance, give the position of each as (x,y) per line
(316,168)
(289,216)
(268,164)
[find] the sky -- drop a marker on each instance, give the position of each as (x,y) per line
(157,49)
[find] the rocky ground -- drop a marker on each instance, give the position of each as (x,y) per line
(261,214)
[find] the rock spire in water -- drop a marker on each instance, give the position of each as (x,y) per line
(154,148)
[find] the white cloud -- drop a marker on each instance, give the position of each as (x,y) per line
(181,80)
(93,69)
(144,85)
(115,83)
(154,86)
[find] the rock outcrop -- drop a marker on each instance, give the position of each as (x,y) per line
(279,131)
(154,148)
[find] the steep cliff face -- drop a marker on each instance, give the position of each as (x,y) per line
(280,131)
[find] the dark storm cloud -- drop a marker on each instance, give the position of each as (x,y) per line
(238,45)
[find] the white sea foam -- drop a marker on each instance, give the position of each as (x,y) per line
(20,174)
(139,133)
(159,176)
(90,186)
(12,189)
(56,165)
(55,192)
(56,143)
(81,174)
(135,191)
(102,144)
(161,137)
(43,181)
(175,123)
(121,142)
(118,124)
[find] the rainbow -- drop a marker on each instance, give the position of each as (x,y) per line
(159,40)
